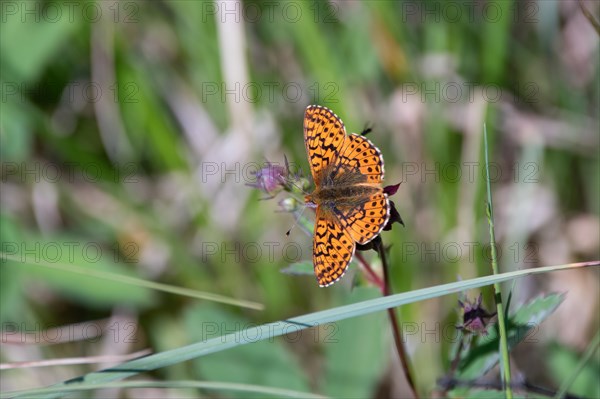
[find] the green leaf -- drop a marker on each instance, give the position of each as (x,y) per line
(537,310)
(483,356)
(30,40)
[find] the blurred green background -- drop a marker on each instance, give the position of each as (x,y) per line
(130,130)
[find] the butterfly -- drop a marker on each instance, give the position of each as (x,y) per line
(351,206)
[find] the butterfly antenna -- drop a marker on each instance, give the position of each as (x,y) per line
(367,129)
(287,234)
(287,164)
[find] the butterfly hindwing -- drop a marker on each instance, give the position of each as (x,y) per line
(333,249)
(365,221)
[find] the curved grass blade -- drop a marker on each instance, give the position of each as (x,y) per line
(270,330)
(570,379)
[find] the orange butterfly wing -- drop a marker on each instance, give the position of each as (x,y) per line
(337,231)
(333,249)
(366,220)
(359,152)
(324,135)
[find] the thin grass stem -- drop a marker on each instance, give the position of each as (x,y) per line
(589,352)
(497,289)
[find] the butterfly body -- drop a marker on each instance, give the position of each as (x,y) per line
(351,206)
(340,191)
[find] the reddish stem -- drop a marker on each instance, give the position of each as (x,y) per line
(398,339)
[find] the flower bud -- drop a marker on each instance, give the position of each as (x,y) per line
(271,179)
(475,317)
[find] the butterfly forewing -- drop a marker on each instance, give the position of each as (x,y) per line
(324,135)
(359,152)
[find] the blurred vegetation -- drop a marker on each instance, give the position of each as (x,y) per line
(130,130)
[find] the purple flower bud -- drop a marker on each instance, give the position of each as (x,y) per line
(475,317)
(271,179)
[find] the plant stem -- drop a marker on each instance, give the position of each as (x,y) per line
(371,275)
(497,290)
(456,359)
(398,339)
(445,382)
(590,17)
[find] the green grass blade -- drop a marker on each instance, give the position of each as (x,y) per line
(570,379)
(270,330)
(208,385)
(497,289)
(136,281)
